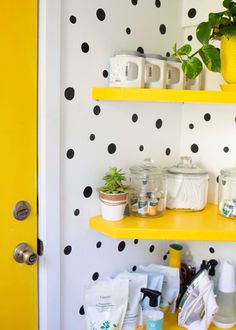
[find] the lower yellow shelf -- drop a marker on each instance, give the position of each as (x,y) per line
(206,225)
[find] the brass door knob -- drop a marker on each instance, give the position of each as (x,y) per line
(24,253)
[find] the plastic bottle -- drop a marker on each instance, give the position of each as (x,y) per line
(153,317)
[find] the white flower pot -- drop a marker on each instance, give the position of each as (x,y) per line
(113,206)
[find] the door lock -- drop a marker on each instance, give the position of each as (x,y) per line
(24,254)
(21,210)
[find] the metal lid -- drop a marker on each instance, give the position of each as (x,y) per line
(185,166)
(173,59)
(230,172)
(127,52)
(157,56)
(148,167)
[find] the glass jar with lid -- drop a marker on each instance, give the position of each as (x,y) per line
(148,189)
(187,186)
(227,192)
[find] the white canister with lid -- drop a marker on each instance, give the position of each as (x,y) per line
(126,69)
(155,71)
(148,189)
(187,186)
(175,78)
(227,192)
(194,84)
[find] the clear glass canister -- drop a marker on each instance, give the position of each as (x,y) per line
(148,190)
(227,192)
(187,186)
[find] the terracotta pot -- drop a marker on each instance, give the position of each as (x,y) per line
(113,205)
(228,59)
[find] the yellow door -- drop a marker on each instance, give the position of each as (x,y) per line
(18,163)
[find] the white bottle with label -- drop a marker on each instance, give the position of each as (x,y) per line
(175,78)
(153,317)
(155,71)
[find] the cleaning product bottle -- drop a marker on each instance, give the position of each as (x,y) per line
(153,317)
(212,272)
(225,318)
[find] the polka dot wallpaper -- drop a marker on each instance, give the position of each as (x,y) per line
(97,135)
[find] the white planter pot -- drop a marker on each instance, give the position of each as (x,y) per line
(112,206)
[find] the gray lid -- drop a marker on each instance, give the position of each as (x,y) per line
(185,166)
(230,172)
(157,56)
(147,167)
(173,59)
(127,52)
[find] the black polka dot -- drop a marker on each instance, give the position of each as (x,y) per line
(226,149)
(235,119)
(101,15)
(96,110)
(162,29)
(99,244)
(73,19)
(134,2)
(81,311)
(191,126)
(134,118)
(88,191)
(134,268)
(207,117)
(70,153)
(192,13)
(140,50)
(212,250)
(190,38)
(85,47)
(152,248)
(111,148)
(67,250)
(141,147)
(92,137)
(69,93)
(158,123)
(136,241)
(95,276)
(121,246)
(128,30)
(194,148)
(167,54)
(158,3)
(217,179)
(105,73)
(165,257)
(76,212)
(168,151)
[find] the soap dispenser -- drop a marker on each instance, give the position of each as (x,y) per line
(153,317)
(225,318)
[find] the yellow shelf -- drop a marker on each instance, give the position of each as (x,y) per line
(170,323)
(162,95)
(206,225)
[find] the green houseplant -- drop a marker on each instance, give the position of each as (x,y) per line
(113,194)
(220,26)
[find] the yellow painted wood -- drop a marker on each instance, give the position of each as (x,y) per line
(206,225)
(162,95)
(18,176)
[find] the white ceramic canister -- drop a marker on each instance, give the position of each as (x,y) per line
(175,78)
(227,192)
(127,69)
(195,84)
(155,71)
(187,186)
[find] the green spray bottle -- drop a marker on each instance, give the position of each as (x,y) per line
(153,317)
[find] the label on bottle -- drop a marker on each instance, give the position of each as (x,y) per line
(154,324)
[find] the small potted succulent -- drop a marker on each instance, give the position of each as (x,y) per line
(113,195)
(220,26)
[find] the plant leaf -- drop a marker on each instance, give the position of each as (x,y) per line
(226,3)
(228,31)
(215,18)
(203,32)
(184,50)
(192,67)
(211,57)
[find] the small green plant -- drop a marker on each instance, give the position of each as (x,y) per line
(114,182)
(219,24)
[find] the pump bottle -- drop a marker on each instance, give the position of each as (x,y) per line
(153,317)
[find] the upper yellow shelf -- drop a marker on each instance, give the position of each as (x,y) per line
(206,225)
(162,95)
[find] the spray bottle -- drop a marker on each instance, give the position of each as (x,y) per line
(153,317)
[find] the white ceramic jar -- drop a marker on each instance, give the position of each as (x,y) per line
(155,71)
(227,192)
(126,69)
(187,186)
(175,78)
(195,84)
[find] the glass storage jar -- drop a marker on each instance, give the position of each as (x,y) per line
(227,192)
(187,186)
(148,190)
